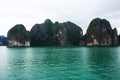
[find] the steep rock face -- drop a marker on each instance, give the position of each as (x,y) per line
(118,38)
(18,36)
(115,37)
(3,41)
(74,33)
(41,34)
(55,34)
(59,34)
(100,33)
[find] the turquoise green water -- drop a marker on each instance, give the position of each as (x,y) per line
(60,63)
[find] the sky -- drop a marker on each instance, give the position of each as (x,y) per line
(80,12)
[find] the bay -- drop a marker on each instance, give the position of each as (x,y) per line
(60,63)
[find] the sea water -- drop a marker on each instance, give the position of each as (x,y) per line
(60,63)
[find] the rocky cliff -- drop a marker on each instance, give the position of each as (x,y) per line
(100,33)
(3,41)
(18,36)
(67,33)
(118,38)
(55,34)
(41,34)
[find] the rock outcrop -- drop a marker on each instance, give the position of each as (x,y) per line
(18,36)
(100,33)
(67,34)
(41,34)
(118,38)
(55,34)
(3,41)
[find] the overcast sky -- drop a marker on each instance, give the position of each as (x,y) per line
(80,12)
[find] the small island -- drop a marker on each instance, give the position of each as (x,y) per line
(99,33)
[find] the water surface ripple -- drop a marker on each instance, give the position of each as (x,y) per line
(60,63)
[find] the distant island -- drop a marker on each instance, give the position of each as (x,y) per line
(99,33)
(3,40)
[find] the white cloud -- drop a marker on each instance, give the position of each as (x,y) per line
(29,12)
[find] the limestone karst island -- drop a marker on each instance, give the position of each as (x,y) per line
(99,33)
